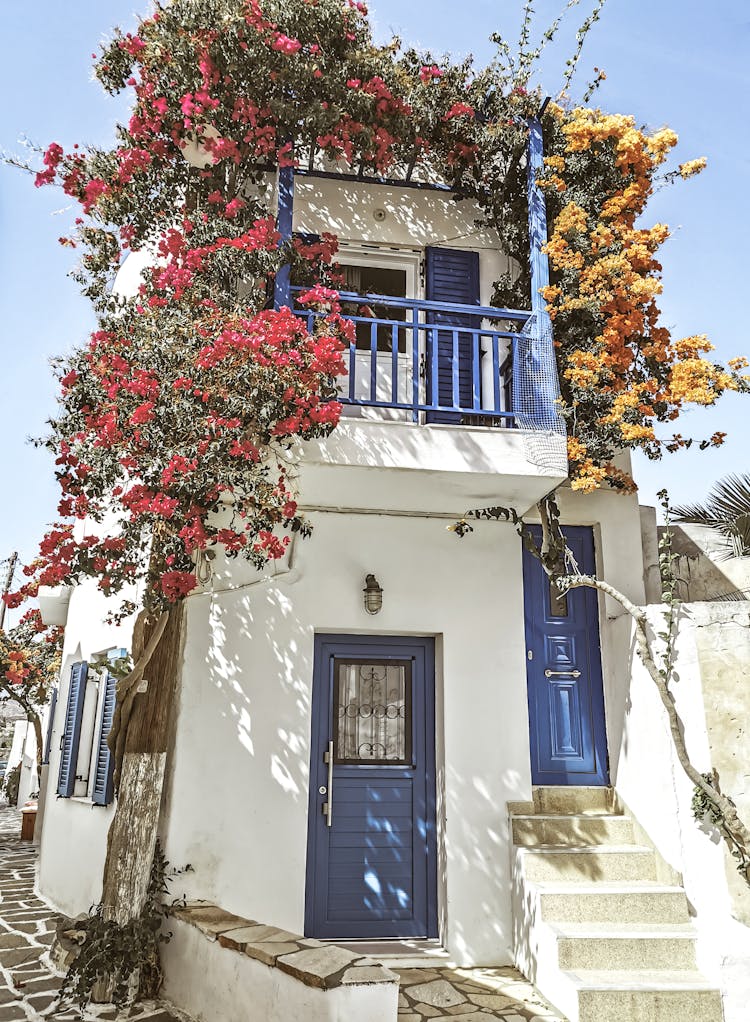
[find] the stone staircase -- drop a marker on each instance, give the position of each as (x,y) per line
(601,923)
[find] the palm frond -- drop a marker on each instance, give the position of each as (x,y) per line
(726,510)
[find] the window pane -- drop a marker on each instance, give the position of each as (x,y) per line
(372,711)
(375,280)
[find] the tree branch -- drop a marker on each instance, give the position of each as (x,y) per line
(725,807)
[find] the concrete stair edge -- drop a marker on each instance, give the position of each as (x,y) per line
(617,966)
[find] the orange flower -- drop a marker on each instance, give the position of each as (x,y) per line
(692,167)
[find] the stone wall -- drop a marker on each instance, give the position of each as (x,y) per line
(712,697)
(706,567)
(722,637)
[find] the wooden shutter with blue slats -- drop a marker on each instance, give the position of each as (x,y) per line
(102,793)
(50,726)
(452,276)
(72,733)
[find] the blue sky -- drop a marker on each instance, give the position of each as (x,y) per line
(667,62)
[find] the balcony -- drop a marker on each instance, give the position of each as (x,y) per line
(447,406)
(432,362)
(416,369)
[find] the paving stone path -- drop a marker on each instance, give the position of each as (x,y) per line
(470,995)
(28,985)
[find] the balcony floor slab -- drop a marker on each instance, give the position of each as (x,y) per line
(370,464)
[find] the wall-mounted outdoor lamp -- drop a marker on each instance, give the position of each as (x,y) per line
(373,595)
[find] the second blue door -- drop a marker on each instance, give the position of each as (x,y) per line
(371,868)
(564,672)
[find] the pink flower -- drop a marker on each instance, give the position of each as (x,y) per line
(271,545)
(230,539)
(321,296)
(284,44)
(93,192)
(459,110)
(232,208)
(143,413)
(177,584)
(426,74)
(51,160)
(132,44)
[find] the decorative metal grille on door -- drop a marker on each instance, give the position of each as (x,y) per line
(372,711)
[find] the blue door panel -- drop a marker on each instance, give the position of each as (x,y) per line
(373,872)
(564,673)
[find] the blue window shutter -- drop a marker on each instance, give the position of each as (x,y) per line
(50,725)
(452,276)
(72,733)
(102,793)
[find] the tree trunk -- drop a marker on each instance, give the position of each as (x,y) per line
(33,718)
(133,831)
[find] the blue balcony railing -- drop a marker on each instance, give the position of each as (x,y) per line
(444,362)
(450,363)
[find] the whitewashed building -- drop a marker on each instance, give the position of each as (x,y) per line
(355,722)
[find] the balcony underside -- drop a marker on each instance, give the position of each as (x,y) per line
(401,466)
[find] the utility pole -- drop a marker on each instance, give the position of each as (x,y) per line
(8,584)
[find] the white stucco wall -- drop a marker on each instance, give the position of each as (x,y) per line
(237,795)
(213,982)
(414,219)
(239,798)
(74,831)
(29,781)
(655,788)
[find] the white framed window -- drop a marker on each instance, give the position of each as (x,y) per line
(85,760)
(374,270)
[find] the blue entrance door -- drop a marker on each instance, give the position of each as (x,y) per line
(564,673)
(371,868)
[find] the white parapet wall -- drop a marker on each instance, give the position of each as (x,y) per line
(219,966)
(712,698)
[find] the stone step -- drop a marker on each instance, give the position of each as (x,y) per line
(635,946)
(601,902)
(659,996)
(588,864)
(578,800)
(572,829)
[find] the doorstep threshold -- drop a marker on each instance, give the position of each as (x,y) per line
(399,953)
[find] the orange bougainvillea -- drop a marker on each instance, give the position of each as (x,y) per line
(621,372)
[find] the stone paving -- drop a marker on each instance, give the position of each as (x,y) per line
(28,984)
(470,995)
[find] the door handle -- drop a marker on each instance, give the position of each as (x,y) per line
(561,674)
(328,806)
